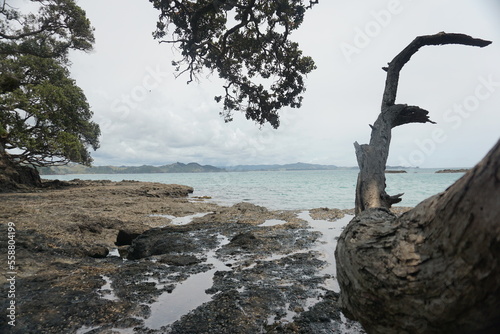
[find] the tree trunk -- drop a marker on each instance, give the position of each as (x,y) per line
(16,177)
(435,269)
(372,158)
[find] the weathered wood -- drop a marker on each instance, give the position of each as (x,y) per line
(435,269)
(372,158)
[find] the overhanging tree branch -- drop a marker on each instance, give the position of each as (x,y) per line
(253,44)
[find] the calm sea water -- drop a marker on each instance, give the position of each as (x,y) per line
(288,190)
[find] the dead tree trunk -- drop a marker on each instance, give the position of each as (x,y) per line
(372,157)
(435,269)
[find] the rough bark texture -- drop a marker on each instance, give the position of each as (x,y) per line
(372,157)
(15,177)
(435,269)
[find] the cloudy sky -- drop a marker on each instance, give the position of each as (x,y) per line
(149,117)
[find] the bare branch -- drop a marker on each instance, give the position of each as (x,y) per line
(372,158)
(395,66)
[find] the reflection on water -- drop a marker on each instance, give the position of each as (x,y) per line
(187,295)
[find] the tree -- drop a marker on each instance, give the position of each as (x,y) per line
(45,118)
(247,43)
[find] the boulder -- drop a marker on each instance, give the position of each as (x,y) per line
(161,241)
(127,234)
(97,251)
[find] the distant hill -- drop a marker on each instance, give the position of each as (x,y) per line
(177,167)
(287,167)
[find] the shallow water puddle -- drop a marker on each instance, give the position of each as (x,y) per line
(182,220)
(330,232)
(326,247)
(273,222)
(106,291)
(187,295)
(86,329)
(114,252)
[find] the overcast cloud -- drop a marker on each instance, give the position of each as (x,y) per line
(149,117)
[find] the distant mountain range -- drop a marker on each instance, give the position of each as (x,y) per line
(179,167)
(287,167)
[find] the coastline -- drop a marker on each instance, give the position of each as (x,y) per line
(101,255)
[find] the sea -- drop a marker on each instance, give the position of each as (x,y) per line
(290,190)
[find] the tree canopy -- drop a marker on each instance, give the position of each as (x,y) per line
(45,118)
(247,42)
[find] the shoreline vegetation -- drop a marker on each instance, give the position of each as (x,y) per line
(194,167)
(104,255)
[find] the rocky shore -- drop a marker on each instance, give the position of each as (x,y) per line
(130,257)
(461,170)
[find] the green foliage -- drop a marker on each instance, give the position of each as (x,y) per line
(45,118)
(59,25)
(247,43)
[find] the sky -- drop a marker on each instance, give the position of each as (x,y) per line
(147,116)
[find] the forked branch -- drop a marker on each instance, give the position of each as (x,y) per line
(395,66)
(372,158)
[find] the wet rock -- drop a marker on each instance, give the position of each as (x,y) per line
(218,316)
(161,241)
(249,207)
(245,240)
(326,214)
(179,260)
(162,190)
(174,240)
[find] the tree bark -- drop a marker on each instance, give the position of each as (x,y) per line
(372,157)
(16,177)
(435,269)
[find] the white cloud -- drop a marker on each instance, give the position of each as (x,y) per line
(149,117)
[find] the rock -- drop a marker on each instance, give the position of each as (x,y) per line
(128,234)
(245,207)
(179,260)
(166,190)
(326,214)
(245,240)
(97,251)
(462,170)
(161,241)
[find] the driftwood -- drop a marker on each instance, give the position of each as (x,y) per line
(435,269)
